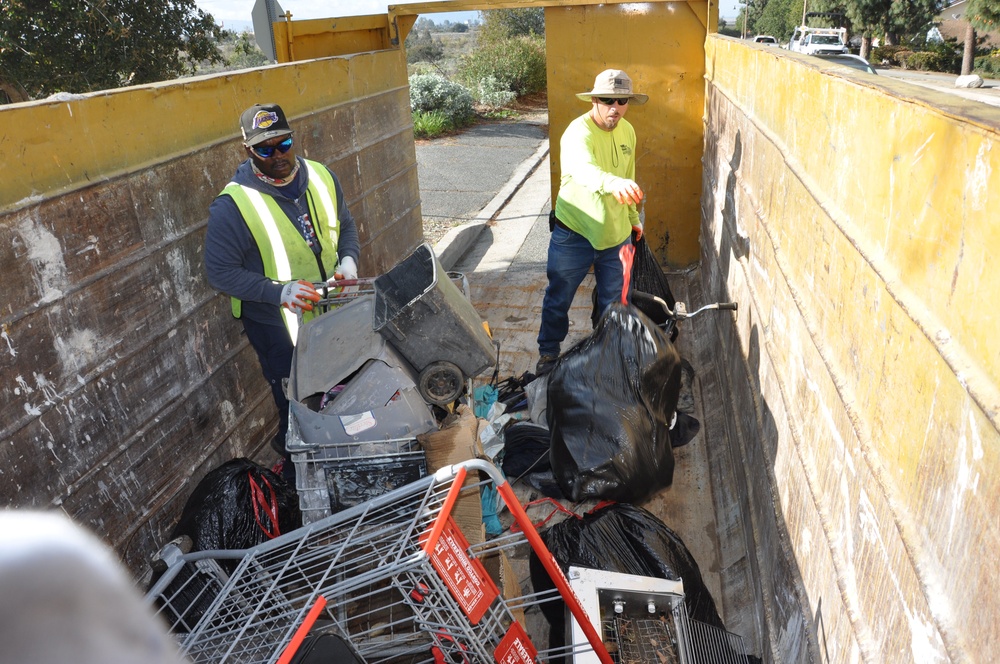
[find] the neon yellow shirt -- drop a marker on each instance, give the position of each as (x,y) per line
(591,160)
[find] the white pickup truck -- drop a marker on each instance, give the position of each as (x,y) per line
(819,41)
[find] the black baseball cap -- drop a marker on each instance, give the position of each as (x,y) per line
(263,121)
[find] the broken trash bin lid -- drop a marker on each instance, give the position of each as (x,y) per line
(333,346)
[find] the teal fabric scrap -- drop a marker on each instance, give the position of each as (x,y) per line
(485,396)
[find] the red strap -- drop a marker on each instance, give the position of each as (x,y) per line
(266,504)
(627,255)
(557,507)
(601,505)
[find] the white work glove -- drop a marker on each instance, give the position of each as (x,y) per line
(347,269)
(299,296)
(637,230)
(626,192)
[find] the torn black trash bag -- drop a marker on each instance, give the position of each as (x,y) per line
(625,539)
(629,540)
(238,505)
(611,399)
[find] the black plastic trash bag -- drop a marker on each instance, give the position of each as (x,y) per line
(647,275)
(238,505)
(630,540)
(646,281)
(611,400)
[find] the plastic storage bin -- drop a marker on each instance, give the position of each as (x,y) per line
(332,478)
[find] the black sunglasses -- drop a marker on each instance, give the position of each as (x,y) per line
(608,101)
(267,151)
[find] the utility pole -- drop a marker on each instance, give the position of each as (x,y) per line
(746,13)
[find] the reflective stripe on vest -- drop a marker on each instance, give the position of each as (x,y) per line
(285,253)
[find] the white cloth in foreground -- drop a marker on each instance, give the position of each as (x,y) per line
(64,597)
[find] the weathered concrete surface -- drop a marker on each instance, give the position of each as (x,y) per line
(856,235)
(124,376)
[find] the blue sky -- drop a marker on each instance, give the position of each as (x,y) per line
(236,13)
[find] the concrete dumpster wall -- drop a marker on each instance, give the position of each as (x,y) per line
(854,219)
(124,376)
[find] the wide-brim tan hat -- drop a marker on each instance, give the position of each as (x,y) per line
(613,83)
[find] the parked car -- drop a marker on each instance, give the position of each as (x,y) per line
(848,60)
(765,39)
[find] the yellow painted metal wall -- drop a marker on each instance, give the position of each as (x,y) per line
(660,46)
(855,220)
(296,40)
(124,377)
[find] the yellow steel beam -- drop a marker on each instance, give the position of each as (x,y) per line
(703,12)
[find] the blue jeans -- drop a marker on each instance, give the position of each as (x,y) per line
(570,257)
(274,351)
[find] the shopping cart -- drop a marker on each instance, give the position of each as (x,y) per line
(395,578)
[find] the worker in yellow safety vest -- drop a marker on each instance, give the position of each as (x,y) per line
(278,227)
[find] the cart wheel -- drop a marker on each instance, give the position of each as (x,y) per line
(441,383)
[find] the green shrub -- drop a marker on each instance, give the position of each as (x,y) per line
(430,124)
(493,94)
(987,66)
(518,64)
(899,57)
(888,55)
(422,47)
(947,57)
(430,92)
(922,61)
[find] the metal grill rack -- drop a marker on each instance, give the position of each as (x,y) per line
(644,621)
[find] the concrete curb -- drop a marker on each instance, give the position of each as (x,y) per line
(460,239)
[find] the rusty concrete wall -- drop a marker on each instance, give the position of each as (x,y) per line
(854,219)
(124,376)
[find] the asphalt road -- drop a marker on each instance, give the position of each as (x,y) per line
(459,175)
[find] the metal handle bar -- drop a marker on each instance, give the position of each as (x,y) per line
(679,312)
(363,285)
(361,282)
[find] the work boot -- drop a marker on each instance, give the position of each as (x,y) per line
(545,364)
(685,398)
(683,431)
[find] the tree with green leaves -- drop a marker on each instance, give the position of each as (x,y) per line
(869,20)
(49,46)
(749,15)
(982,15)
(910,17)
(246,53)
(510,51)
(422,47)
(501,24)
(779,19)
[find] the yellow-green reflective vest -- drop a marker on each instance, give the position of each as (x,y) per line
(285,252)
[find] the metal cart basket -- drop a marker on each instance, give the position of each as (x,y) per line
(395,578)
